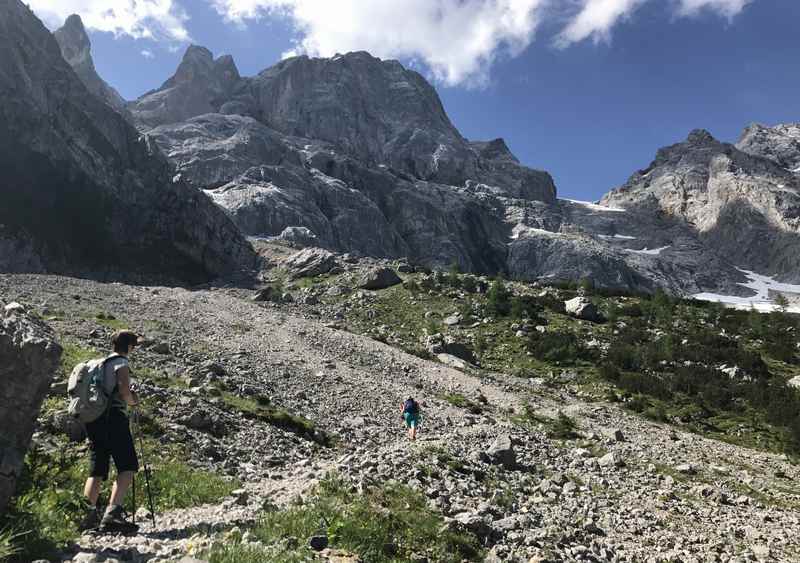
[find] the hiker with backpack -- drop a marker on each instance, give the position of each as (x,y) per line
(409,412)
(100,394)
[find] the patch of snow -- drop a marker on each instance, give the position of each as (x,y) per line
(648,251)
(593,206)
(520,230)
(760,301)
(796,169)
(618,236)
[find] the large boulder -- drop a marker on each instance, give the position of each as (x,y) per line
(310,262)
(379,278)
(29,356)
(501,452)
(581,308)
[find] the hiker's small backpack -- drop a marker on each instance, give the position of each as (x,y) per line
(410,406)
(88,399)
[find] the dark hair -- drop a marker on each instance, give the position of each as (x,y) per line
(122,339)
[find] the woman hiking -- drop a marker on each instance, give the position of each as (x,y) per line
(409,411)
(110,437)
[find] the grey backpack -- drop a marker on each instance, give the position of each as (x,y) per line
(88,399)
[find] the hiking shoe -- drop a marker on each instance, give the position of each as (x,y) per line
(114,521)
(91,519)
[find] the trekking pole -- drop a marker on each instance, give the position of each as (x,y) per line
(133,490)
(146,473)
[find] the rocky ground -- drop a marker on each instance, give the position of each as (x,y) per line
(624,489)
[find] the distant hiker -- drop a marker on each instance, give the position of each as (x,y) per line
(409,411)
(108,431)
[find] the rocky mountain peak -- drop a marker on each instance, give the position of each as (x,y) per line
(74,42)
(700,137)
(76,48)
(198,64)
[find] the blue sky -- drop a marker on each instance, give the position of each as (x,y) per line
(588,96)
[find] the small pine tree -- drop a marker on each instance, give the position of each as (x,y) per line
(781,301)
(498,298)
(469,284)
(453,277)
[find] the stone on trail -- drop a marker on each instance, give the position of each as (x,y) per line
(501,452)
(29,357)
(379,278)
(611,459)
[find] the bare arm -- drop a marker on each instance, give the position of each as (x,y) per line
(124,385)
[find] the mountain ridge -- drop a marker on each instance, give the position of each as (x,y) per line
(357,150)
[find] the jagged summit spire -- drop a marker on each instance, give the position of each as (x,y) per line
(76,48)
(74,42)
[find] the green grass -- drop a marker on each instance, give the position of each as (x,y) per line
(73,354)
(43,515)
(260,409)
(175,485)
(160,378)
(562,427)
(110,321)
(460,401)
(390,523)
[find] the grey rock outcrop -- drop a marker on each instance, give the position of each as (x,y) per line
(780,144)
(91,195)
(379,278)
(741,206)
(29,357)
(310,262)
(76,50)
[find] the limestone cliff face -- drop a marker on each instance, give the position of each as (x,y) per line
(361,152)
(745,206)
(375,111)
(81,188)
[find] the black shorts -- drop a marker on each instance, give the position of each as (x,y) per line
(110,436)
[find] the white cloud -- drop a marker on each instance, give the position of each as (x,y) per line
(727,8)
(162,20)
(147,54)
(458,40)
(597,17)
(596,20)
